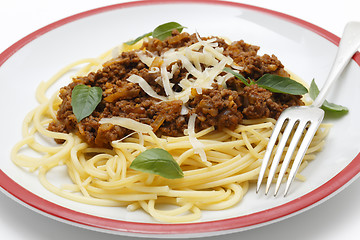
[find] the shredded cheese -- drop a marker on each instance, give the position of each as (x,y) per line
(166,82)
(128,123)
(195,143)
(145,86)
(203,60)
(145,58)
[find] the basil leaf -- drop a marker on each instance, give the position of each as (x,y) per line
(160,32)
(157,161)
(332,107)
(280,84)
(84,100)
(238,75)
(132,42)
(313,90)
(327,106)
(163,31)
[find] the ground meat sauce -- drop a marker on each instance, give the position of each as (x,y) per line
(222,107)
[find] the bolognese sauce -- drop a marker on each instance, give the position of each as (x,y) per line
(221,105)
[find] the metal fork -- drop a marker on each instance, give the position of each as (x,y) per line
(303,121)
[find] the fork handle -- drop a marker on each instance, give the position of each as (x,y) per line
(349,44)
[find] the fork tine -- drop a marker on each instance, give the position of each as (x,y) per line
(279,151)
(291,149)
(278,126)
(301,152)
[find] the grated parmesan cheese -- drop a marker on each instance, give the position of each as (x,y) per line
(145,86)
(166,82)
(204,62)
(145,58)
(128,123)
(154,70)
(195,143)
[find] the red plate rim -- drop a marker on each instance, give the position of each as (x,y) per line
(134,228)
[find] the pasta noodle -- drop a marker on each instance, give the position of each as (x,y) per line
(101,176)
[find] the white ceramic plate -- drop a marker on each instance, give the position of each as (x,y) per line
(303,48)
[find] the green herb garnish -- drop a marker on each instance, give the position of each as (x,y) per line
(278,84)
(84,100)
(327,106)
(238,75)
(157,161)
(273,83)
(132,42)
(161,32)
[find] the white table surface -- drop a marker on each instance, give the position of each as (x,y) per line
(336,218)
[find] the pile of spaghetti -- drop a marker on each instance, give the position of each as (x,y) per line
(170,94)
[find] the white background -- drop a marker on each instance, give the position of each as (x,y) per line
(337,218)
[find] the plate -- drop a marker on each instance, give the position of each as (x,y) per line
(303,48)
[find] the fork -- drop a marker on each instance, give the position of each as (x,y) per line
(303,121)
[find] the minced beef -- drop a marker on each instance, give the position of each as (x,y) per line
(222,107)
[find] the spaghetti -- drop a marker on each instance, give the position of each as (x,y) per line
(218,167)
